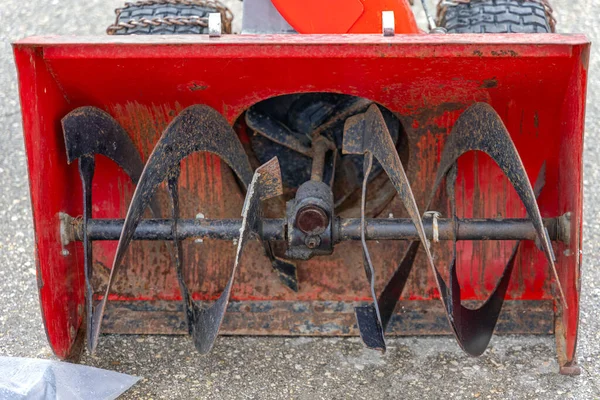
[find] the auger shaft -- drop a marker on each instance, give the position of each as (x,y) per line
(344,229)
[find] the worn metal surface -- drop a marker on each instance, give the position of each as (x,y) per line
(198,128)
(318,318)
(305,244)
(304,131)
(480,128)
(88,132)
(298,368)
(368,134)
(265,184)
(368,317)
(398,81)
(278,133)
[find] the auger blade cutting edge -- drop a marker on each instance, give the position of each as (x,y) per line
(387,181)
(265,184)
(89,131)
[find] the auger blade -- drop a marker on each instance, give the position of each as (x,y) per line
(89,131)
(286,270)
(177,251)
(480,128)
(368,317)
(265,184)
(475,327)
(197,128)
(390,295)
(86,173)
(368,133)
(472,328)
(280,134)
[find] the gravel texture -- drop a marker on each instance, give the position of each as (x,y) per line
(274,368)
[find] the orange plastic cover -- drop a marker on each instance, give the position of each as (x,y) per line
(345,16)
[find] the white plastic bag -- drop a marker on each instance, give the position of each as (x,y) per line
(33,379)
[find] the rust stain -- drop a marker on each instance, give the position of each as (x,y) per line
(490,83)
(504,53)
(194,87)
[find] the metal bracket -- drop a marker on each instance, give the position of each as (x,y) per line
(214,25)
(435,215)
(388,23)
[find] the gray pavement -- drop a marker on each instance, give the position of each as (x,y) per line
(286,368)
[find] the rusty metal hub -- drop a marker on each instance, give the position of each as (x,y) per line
(312,220)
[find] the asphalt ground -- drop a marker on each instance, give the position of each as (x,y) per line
(286,368)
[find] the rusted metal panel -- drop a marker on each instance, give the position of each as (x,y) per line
(317,318)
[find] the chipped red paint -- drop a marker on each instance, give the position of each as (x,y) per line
(428,80)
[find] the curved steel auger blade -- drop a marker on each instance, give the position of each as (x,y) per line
(197,128)
(287,271)
(472,328)
(177,251)
(476,334)
(368,317)
(475,327)
(480,128)
(266,184)
(368,132)
(390,295)
(89,131)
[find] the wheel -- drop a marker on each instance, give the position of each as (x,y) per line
(168,17)
(496,16)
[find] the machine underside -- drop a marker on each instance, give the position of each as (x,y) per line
(338,186)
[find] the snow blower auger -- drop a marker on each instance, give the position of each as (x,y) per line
(308,184)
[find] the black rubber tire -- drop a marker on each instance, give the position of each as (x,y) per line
(135,12)
(496,16)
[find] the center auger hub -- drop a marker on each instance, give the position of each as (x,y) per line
(330,154)
(310,221)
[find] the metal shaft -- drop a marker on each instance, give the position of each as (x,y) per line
(319,149)
(344,229)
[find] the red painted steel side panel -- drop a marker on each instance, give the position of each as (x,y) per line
(571,181)
(54,187)
(535,82)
